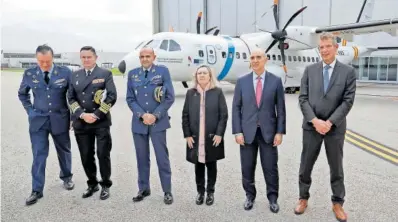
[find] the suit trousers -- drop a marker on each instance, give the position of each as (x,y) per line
(211,176)
(40,149)
(312,142)
(86,141)
(141,144)
(269,163)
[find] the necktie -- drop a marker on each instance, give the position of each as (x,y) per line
(326,77)
(88,73)
(146,73)
(46,78)
(259,90)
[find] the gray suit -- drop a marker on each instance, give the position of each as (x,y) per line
(334,105)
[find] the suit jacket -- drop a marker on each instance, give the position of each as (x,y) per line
(333,105)
(153,94)
(271,115)
(216,117)
(83,95)
(49,99)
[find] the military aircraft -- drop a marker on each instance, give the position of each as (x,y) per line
(289,49)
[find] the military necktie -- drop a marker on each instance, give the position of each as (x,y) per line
(146,73)
(88,73)
(326,77)
(46,78)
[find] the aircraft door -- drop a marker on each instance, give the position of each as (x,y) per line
(211,54)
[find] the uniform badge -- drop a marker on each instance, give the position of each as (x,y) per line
(35,81)
(99,96)
(37,72)
(55,72)
(158,93)
(29,73)
(153,70)
(77,82)
(34,76)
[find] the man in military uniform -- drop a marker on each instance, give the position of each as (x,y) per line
(49,114)
(150,94)
(91,95)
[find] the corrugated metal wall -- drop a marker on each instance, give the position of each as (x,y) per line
(235,17)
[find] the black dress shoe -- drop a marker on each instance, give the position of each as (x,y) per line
(200,198)
(90,191)
(141,195)
(209,199)
(34,196)
(69,185)
(274,207)
(104,193)
(168,198)
(249,204)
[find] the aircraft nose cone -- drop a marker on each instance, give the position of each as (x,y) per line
(122,66)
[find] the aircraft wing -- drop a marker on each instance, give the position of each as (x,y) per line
(347,31)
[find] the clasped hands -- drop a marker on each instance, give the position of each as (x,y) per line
(89,117)
(322,127)
(149,119)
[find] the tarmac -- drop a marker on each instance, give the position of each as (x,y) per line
(370,167)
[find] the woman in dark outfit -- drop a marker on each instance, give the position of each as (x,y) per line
(204,120)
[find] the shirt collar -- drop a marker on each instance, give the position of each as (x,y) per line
(90,69)
(331,64)
(150,67)
(255,75)
(50,71)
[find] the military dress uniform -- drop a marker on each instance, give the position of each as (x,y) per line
(93,91)
(49,114)
(151,91)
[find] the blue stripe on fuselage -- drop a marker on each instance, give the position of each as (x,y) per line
(228,61)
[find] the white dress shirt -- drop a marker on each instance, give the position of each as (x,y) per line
(331,67)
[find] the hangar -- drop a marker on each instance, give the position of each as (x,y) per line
(236,17)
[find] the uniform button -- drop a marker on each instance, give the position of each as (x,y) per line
(84,109)
(48,88)
(94,108)
(48,96)
(83,93)
(146,94)
(147,103)
(50,111)
(92,92)
(145,87)
(84,101)
(49,104)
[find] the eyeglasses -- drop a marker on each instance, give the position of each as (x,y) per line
(146,56)
(257,57)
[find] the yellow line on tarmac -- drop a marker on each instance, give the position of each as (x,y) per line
(361,138)
(372,150)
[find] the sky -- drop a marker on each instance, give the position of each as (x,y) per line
(67,25)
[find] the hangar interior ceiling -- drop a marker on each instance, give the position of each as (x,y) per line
(236,17)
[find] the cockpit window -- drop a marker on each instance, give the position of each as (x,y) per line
(174,46)
(164,45)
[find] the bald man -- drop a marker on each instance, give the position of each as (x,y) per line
(258,122)
(150,94)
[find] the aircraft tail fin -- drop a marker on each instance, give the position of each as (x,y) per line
(366,12)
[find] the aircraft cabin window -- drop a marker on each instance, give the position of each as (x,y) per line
(294,58)
(174,46)
(237,55)
(244,55)
(312,59)
(273,57)
(304,60)
(308,59)
(290,58)
(201,53)
(299,58)
(268,56)
(317,59)
(224,55)
(164,45)
(279,57)
(230,55)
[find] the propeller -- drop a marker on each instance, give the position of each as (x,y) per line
(280,35)
(198,21)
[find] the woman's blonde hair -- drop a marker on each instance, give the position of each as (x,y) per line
(213,81)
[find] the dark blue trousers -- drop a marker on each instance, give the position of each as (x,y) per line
(141,143)
(269,163)
(40,149)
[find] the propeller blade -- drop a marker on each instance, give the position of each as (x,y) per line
(264,30)
(270,46)
(216,32)
(283,55)
(210,29)
(276,13)
(287,37)
(294,16)
(198,22)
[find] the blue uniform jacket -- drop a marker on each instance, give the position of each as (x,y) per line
(49,99)
(141,97)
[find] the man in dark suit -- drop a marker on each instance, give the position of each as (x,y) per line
(259,120)
(150,94)
(326,97)
(91,95)
(48,115)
